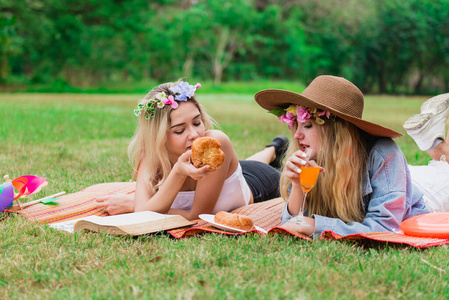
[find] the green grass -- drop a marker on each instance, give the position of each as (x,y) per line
(76,140)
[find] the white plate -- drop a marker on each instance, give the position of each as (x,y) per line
(210,219)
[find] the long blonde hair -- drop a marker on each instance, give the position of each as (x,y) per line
(149,140)
(338,192)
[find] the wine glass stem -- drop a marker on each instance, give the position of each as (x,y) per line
(301,210)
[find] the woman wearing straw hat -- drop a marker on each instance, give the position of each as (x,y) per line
(364,184)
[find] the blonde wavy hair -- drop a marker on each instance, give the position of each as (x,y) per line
(149,140)
(338,192)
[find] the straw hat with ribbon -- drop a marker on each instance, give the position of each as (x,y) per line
(334,94)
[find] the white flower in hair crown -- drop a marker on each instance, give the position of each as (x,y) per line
(181,92)
(297,112)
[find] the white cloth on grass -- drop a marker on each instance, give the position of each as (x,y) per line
(433,181)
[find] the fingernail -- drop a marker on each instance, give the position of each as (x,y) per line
(303,162)
(304,155)
(298,170)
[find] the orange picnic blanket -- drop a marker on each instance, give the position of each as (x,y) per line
(265,215)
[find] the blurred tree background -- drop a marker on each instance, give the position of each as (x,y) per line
(384,46)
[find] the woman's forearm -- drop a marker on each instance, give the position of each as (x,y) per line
(164,197)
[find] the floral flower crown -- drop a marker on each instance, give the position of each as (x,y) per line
(181,92)
(297,112)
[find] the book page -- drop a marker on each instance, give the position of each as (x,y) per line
(118,220)
(65,226)
(126,219)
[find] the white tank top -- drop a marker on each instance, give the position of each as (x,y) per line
(234,194)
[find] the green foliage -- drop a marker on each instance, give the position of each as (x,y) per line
(386,46)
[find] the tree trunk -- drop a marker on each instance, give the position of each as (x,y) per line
(218,59)
(187,67)
(226,48)
(381,81)
(3,67)
(218,72)
(418,85)
(125,75)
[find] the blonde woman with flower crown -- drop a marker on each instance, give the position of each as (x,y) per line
(365,184)
(170,119)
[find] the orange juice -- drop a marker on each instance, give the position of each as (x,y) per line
(308,177)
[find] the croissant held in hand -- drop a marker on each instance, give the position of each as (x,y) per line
(206,151)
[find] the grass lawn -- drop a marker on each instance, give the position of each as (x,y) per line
(77,140)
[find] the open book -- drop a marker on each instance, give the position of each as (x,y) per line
(137,223)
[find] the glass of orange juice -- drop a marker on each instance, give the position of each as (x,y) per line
(307,179)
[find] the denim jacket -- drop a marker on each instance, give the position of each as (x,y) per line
(389,197)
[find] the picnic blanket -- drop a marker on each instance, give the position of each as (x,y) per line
(265,215)
(74,206)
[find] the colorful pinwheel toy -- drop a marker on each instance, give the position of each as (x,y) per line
(25,185)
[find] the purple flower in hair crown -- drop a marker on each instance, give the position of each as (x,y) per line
(300,113)
(184,90)
(181,92)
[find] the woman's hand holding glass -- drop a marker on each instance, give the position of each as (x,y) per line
(304,173)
